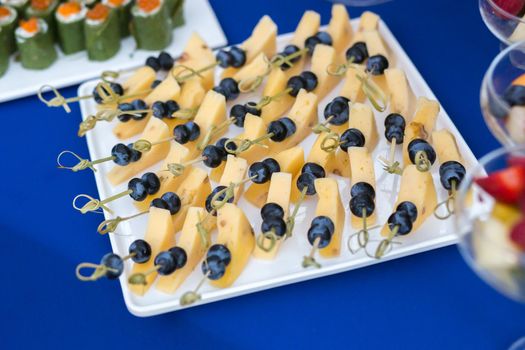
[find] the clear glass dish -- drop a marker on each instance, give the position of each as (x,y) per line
(504,19)
(506,124)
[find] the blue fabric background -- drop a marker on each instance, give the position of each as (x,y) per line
(430,301)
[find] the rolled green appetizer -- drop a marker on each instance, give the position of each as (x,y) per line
(102,31)
(34,41)
(4,58)
(8,17)
(123,10)
(19,5)
(151,24)
(70,26)
(177,14)
(44,9)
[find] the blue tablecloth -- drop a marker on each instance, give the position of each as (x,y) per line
(427,301)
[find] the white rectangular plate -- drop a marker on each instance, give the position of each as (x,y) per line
(286,268)
(73,69)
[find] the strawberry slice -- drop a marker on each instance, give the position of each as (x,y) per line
(511,6)
(506,185)
(517,235)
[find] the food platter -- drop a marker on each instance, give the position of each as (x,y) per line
(286,268)
(73,69)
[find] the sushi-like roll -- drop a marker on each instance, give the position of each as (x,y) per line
(34,41)
(70,26)
(151,24)
(19,5)
(44,9)
(123,10)
(8,19)
(177,13)
(4,60)
(102,32)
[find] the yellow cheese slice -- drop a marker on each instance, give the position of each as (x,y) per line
(258,67)
(416,187)
(362,170)
(307,27)
(156,130)
(317,156)
(216,173)
(421,125)
(375,44)
(352,87)
(446,146)
(160,235)
(279,193)
(236,233)
(212,112)
(130,128)
(196,55)
(368,21)
(168,182)
(290,161)
(168,89)
(140,81)
(340,29)
(362,118)
(323,57)
(192,192)
(189,240)
(254,128)
(304,115)
(234,172)
(263,40)
(330,205)
(402,99)
(276,84)
(341,164)
(191,94)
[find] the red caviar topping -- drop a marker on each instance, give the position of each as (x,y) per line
(116,3)
(30,26)
(4,12)
(148,5)
(99,12)
(40,5)
(69,8)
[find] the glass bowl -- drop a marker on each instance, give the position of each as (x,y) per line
(504,18)
(483,226)
(506,123)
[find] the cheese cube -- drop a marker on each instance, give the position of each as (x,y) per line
(446,146)
(168,182)
(263,40)
(276,83)
(160,235)
(189,240)
(130,128)
(258,67)
(323,57)
(352,86)
(196,55)
(330,205)
(156,130)
(340,29)
(279,193)
(362,118)
(402,99)
(140,81)
(168,89)
(307,27)
(416,187)
(341,164)
(362,170)
(234,172)
(368,21)
(290,161)
(236,233)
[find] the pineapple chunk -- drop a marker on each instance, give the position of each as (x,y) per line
(290,161)
(362,170)
(263,40)
(160,235)
(340,29)
(236,233)
(190,240)
(323,57)
(156,130)
(416,187)
(330,205)
(279,193)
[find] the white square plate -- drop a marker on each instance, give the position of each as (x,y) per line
(286,268)
(73,69)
